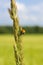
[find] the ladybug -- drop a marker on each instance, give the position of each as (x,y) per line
(22,31)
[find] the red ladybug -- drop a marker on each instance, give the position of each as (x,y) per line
(22,31)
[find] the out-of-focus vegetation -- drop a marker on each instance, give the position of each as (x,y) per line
(32,46)
(9,29)
(6,29)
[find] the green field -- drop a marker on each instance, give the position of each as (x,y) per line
(32,46)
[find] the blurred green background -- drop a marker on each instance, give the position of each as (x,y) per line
(32,46)
(29,29)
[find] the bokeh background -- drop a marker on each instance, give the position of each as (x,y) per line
(30,14)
